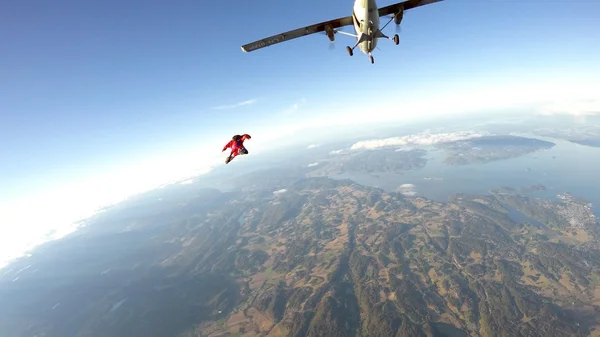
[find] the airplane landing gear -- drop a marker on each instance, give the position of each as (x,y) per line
(362,38)
(396,38)
(371,58)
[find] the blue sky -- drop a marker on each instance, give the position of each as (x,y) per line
(91,91)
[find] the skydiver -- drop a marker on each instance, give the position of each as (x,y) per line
(237,146)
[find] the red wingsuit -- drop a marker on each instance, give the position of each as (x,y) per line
(237,145)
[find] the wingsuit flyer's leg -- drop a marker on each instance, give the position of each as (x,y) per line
(232,155)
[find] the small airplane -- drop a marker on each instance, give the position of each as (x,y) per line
(365,19)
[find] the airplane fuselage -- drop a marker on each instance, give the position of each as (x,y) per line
(365,16)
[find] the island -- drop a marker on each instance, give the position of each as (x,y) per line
(588,135)
(487,149)
(386,160)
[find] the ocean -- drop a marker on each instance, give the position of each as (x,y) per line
(565,168)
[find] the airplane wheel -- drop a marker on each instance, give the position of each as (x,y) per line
(372,59)
(396,39)
(349,50)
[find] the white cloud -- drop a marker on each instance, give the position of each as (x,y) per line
(52,214)
(313,164)
(187,181)
(312,146)
(280,191)
(404,149)
(576,108)
(236,105)
(421,139)
(407,189)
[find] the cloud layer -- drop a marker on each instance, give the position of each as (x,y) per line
(342,151)
(421,139)
(576,108)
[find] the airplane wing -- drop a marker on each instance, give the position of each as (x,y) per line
(292,34)
(408,4)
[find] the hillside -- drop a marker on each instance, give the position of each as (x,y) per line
(318,257)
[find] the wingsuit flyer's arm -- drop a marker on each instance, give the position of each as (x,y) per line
(245,136)
(228,145)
